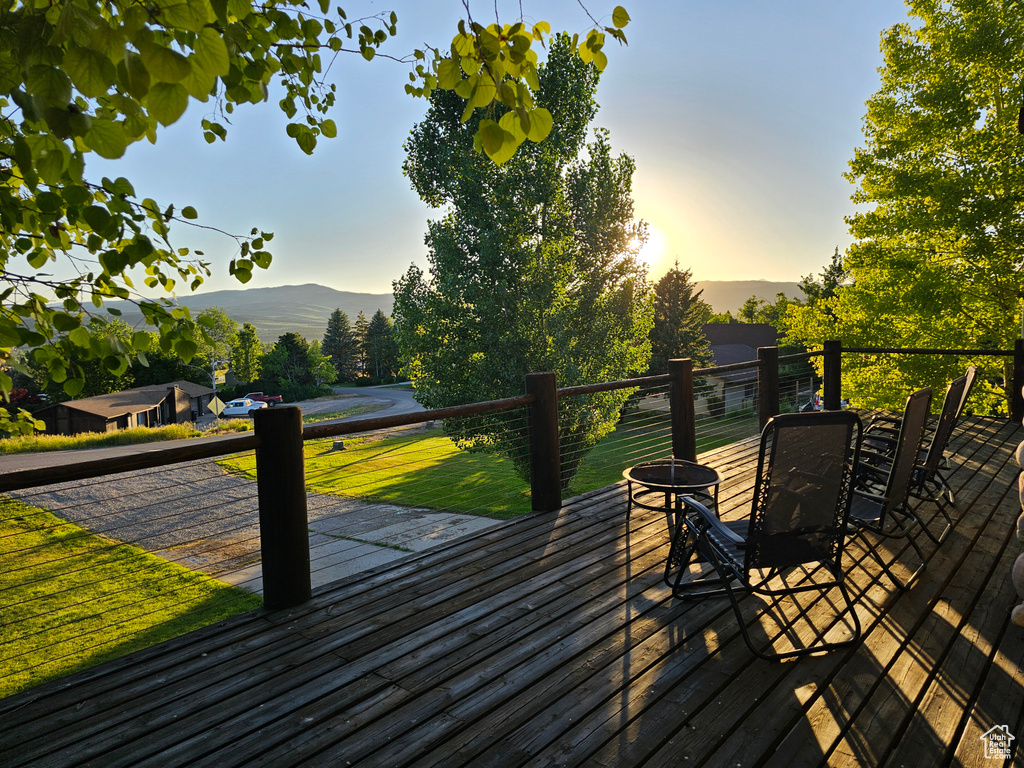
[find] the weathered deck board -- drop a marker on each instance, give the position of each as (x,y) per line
(553,640)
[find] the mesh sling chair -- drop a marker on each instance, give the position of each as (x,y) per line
(928,482)
(881,499)
(793,540)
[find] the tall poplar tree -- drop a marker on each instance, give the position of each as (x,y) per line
(532,268)
(362,326)
(938,259)
(247,354)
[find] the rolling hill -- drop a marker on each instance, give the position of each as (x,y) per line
(305,309)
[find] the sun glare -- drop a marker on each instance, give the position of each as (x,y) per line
(654,248)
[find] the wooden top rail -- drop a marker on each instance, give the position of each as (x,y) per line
(147,458)
(921,351)
(800,356)
(608,386)
(318,431)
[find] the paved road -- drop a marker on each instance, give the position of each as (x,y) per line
(391,402)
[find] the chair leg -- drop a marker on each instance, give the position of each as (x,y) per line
(818,644)
(901,585)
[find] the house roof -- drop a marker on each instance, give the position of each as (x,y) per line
(115,404)
(134,400)
(727,354)
(753,335)
(189,387)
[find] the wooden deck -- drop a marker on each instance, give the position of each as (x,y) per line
(552,640)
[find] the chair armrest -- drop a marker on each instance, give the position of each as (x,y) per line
(710,520)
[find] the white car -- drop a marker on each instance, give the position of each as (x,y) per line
(242,407)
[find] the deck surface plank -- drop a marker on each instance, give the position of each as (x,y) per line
(553,639)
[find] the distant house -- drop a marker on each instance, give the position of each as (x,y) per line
(152,406)
(736,343)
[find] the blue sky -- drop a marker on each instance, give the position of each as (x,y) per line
(741,116)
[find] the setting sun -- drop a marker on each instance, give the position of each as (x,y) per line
(654,249)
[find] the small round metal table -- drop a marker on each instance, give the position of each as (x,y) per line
(669,480)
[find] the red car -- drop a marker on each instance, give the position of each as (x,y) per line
(270,400)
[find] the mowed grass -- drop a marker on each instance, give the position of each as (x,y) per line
(70,599)
(425,469)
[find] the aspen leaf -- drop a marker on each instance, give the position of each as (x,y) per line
(107,139)
(512,124)
(164,64)
(167,102)
(211,53)
(448,76)
(541,123)
(90,71)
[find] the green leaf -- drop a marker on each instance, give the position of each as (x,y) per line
(49,202)
(329,129)
(211,53)
(50,85)
(306,141)
(72,387)
(51,157)
(80,337)
(141,340)
(97,217)
(189,212)
(133,75)
(167,102)
(185,349)
(619,17)
(368,52)
(164,64)
(511,123)
(449,74)
(65,323)
(9,335)
(91,71)
(239,8)
(499,144)
(541,123)
(107,139)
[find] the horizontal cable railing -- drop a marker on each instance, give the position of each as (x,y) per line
(102,556)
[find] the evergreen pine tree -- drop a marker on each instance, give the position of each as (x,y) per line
(341,346)
(381,348)
(679,317)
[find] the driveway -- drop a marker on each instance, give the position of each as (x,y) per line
(201,517)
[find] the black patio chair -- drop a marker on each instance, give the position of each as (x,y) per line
(928,481)
(793,541)
(881,502)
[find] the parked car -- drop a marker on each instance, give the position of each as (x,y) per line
(243,406)
(259,397)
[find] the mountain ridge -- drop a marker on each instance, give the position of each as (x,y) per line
(306,308)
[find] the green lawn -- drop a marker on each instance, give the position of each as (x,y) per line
(70,599)
(425,469)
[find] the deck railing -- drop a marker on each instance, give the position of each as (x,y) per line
(677,412)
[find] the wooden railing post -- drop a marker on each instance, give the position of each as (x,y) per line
(1017,387)
(284,530)
(684,422)
(545,461)
(833,375)
(767,384)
